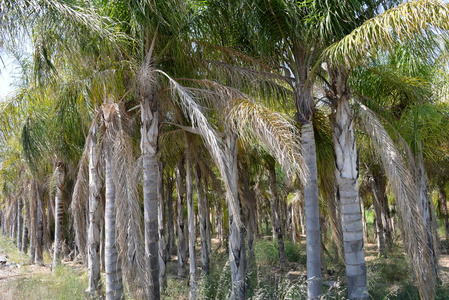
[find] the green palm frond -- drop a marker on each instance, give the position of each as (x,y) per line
(402,23)
(274,131)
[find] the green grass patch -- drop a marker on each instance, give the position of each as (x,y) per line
(37,282)
(60,285)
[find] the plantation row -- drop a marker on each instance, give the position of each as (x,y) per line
(140,131)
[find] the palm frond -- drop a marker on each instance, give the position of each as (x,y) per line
(129,216)
(213,142)
(405,190)
(273,130)
(402,23)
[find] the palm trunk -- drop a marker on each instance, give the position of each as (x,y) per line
(296,236)
(49,215)
(161,228)
(33,225)
(381,185)
(219,221)
(377,210)
(208,223)
(171,246)
(203,220)
(59,212)
(251,211)
(237,255)
(93,234)
(3,221)
(26,223)
(46,237)
(114,283)
(274,202)
(182,244)
(19,223)
(191,222)
(312,213)
(13,222)
(362,210)
(442,201)
(39,227)
(149,139)
(346,163)
(426,212)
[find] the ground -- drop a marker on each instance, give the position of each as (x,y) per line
(20,280)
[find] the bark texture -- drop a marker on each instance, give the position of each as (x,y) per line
(346,163)
(93,234)
(237,255)
(113,266)
(191,221)
(181,230)
(149,148)
(59,213)
(275,211)
(312,213)
(203,220)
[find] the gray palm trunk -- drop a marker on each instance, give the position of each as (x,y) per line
(33,225)
(237,255)
(380,183)
(25,225)
(93,234)
(208,223)
(182,243)
(39,226)
(50,213)
(312,213)
(377,210)
(303,97)
(171,246)
(296,237)
(346,163)
(362,210)
(251,213)
(59,213)
(161,228)
(191,222)
(149,139)
(113,268)
(19,223)
(203,220)
(442,203)
(426,211)
(274,203)
(218,207)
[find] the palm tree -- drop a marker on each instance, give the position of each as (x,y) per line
(339,93)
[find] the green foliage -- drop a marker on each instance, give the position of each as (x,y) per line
(267,252)
(390,278)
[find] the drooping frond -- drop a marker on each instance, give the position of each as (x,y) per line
(215,145)
(405,192)
(402,23)
(130,232)
(274,131)
(80,200)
